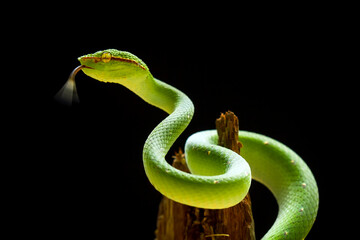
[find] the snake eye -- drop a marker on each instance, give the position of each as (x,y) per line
(106,57)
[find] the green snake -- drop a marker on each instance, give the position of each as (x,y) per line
(220,178)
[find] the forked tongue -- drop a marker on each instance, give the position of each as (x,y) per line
(67,95)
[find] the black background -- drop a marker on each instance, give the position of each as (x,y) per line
(271,71)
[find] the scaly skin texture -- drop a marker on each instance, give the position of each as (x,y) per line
(220,178)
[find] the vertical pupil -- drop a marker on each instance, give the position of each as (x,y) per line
(106,57)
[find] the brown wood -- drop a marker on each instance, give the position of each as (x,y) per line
(181,222)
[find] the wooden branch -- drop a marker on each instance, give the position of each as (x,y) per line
(227,127)
(181,222)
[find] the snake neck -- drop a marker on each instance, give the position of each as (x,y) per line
(158,93)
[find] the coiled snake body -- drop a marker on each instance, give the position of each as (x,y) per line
(219,178)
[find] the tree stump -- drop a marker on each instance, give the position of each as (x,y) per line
(181,222)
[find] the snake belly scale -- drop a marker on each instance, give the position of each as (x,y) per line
(220,178)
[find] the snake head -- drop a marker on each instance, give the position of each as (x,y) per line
(114,66)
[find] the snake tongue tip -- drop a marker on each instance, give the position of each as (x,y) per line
(67,95)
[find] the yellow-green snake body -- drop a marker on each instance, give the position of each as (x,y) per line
(219,178)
